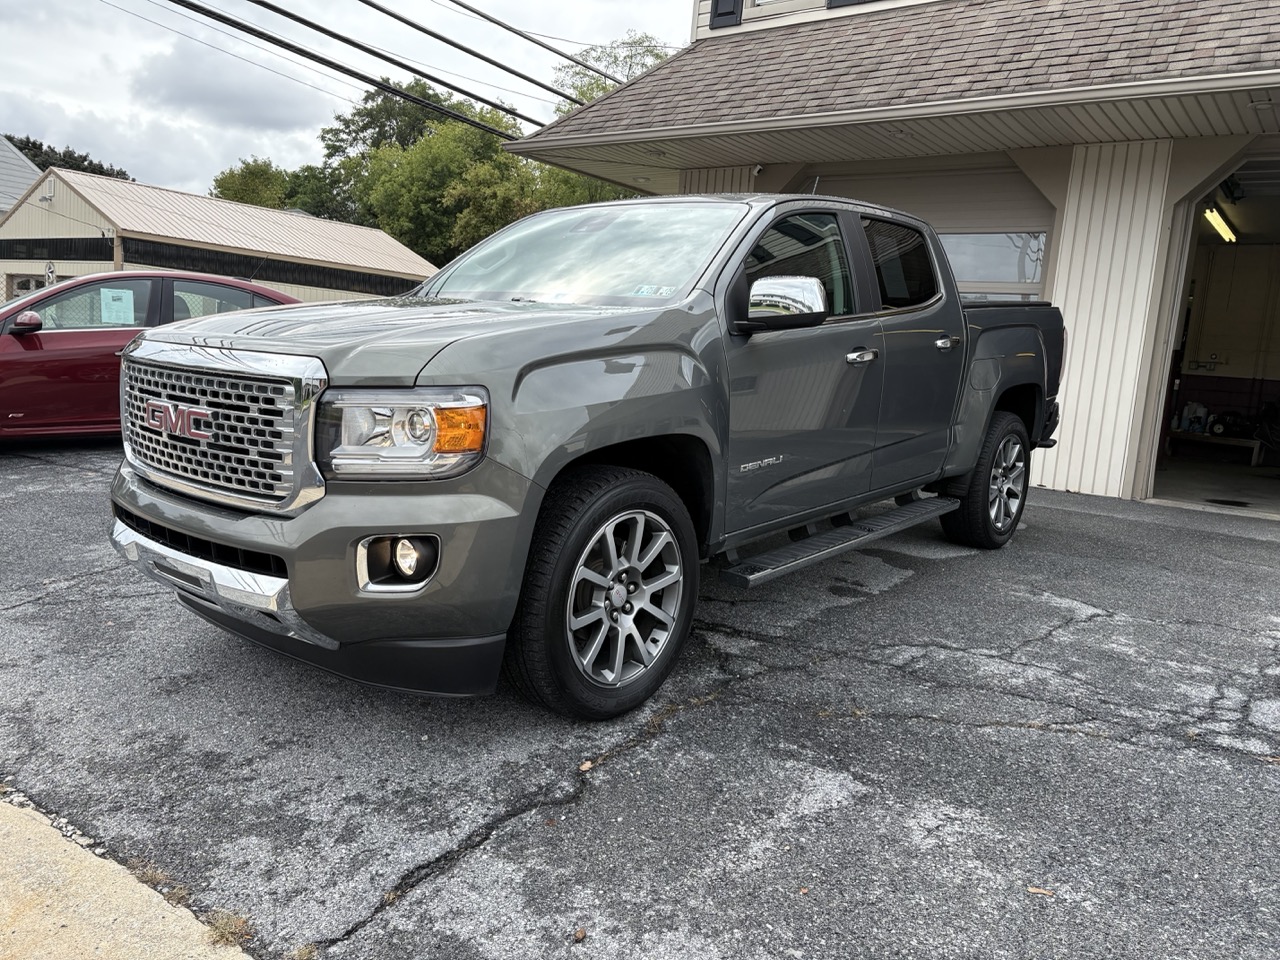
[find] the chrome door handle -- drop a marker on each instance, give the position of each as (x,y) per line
(861,356)
(946,343)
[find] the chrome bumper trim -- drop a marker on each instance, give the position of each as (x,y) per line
(252,597)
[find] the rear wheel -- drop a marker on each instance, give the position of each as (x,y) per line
(992,505)
(609,593)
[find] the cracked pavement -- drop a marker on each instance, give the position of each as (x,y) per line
(1070,747)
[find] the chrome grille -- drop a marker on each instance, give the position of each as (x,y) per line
(251,423)
(233,427)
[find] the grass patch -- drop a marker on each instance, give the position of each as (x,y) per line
(226,929)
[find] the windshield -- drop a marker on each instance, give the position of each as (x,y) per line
(614,255)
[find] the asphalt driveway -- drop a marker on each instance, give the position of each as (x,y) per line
(1068,748)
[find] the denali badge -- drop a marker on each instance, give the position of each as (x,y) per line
(177,418)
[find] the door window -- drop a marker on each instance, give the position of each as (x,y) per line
(97,306)
(904,268)
(194,298)
(806,245)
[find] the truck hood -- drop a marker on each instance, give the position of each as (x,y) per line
(380,341)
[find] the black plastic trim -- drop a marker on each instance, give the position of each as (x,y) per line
(463,667)
(252,561)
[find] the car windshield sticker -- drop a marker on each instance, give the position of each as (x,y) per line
(117,308)
(651,291)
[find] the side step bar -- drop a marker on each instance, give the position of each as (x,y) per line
(822,546)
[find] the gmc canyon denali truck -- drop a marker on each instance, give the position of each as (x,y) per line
(525,462)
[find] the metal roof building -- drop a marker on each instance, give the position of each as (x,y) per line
(1066,149)
(69,223)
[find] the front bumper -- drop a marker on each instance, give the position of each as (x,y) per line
(446,638)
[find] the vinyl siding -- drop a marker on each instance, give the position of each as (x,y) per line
(1109,260)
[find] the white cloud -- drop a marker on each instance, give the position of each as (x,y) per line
(173,111)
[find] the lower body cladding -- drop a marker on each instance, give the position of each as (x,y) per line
(301,585)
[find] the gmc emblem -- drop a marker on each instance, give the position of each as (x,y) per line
(177,418)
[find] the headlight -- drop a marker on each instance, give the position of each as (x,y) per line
(415,434)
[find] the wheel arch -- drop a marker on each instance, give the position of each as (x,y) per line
(681,461)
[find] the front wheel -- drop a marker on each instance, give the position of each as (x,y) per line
(992,505)
(609,592)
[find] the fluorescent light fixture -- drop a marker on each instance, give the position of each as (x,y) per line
(1219,224)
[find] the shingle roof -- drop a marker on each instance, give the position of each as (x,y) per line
(136,208)
(934,52)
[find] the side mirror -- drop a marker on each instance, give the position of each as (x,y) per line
(785,303)
(26,322)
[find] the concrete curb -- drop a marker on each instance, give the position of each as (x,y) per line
(59,900)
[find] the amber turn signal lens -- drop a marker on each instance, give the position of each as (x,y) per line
(460,429)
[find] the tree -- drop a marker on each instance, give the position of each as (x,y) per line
(625,59)
(453,186)
(256,180)
(45,157)
(383,118)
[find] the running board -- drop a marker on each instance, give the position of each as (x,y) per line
(823,546)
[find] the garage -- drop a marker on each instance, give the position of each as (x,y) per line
(1064,151)
(1222,431)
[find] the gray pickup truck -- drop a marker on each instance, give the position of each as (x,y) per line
(523,465)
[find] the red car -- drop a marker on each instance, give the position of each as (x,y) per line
(60,346)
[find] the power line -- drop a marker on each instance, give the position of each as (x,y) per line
(475,53)
(394,61)
(581,43)
(307,66)
(227,33)
(382,85)
(532,39)
(237,56)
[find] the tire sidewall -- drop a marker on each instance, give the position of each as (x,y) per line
(637,492)
(1008,425)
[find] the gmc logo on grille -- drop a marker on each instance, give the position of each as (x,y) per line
(177,418)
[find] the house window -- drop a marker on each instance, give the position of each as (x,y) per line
(904,268)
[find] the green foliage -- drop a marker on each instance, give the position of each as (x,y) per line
(437,185)
(45,157)
(382,119)
(625,59)
(256,180)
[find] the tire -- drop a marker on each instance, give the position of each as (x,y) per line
(997,493)
(609,592)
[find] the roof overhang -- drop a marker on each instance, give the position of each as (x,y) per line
(650,160)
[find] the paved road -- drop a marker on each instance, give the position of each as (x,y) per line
(1067,748)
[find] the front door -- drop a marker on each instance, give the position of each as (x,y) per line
(66,378)
(802,403)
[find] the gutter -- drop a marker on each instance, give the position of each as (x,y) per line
(1076,96)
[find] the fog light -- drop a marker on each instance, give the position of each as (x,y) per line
(406,556)
(400,563)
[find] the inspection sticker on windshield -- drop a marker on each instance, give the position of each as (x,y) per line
(648,291)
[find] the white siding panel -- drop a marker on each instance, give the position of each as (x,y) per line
(954,201)
(66,215)
(718,180)
(1109,253)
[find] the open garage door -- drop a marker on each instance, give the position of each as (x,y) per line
(1221,432)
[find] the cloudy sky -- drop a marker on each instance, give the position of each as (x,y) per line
(160,91)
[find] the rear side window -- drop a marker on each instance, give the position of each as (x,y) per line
(904,268)
(194,298)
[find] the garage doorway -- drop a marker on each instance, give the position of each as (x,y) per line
(1220,436)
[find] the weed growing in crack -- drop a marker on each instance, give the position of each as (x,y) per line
(226,929)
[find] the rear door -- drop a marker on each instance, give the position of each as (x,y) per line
(802,414)
(67,377)
(924,352)
(185,299)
